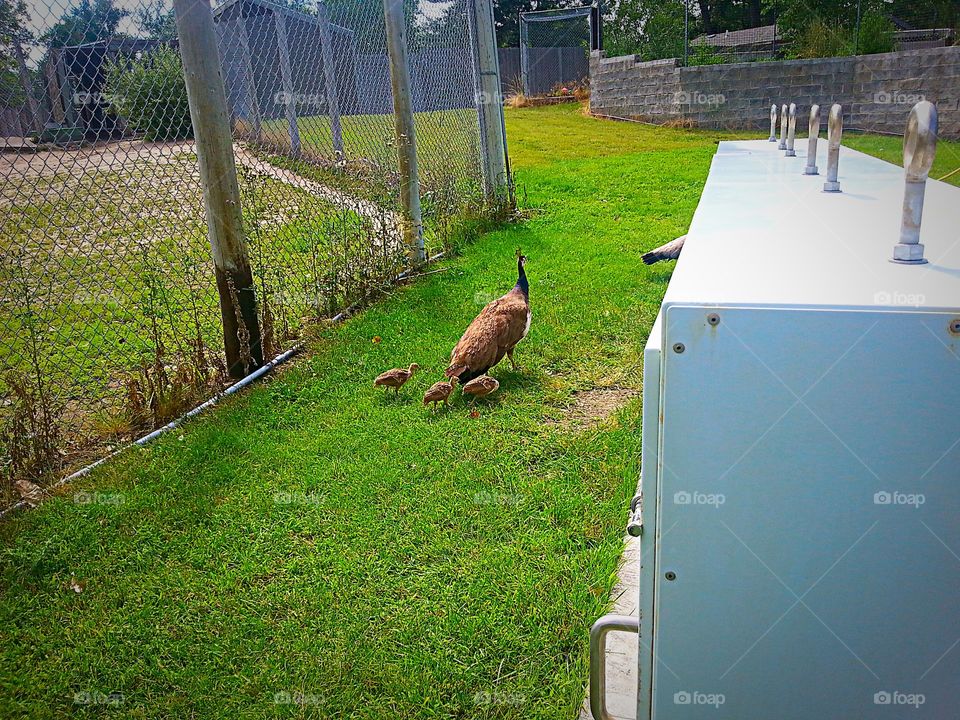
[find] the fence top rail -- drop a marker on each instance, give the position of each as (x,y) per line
(556,14)
(270,6)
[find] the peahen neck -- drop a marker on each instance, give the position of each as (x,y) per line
(522,280)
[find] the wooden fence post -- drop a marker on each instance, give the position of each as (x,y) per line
(405,130)
(490,101)
(221,192)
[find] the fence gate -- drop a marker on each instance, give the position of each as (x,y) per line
(555,48)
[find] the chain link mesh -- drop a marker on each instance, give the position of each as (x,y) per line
(109,314)
(555,50)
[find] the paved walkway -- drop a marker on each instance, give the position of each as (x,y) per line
(622,647)
(383,220)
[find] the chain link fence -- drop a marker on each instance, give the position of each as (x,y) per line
(112,313)
(728,32)
(555,50)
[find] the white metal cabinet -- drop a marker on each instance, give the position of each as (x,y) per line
(801,469)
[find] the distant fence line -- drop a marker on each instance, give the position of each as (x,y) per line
(549,67)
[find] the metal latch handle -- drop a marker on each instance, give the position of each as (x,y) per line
(598,659)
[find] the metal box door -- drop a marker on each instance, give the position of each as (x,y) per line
(808,557)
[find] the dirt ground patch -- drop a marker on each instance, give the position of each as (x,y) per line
(595,405)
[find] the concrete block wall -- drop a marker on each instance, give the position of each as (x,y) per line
(876,91)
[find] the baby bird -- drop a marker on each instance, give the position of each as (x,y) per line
(396,378)
(481,386)
(439,392)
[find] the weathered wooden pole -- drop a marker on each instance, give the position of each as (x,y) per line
(221,193)
(405,130)
(489,101)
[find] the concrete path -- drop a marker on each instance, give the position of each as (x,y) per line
(383,220)
(622,647)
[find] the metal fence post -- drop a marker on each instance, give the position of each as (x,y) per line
(27,84)
(524,58)
(249,82)
(330,78)
(406,132)
(286,74)
(221,192)
(489,100)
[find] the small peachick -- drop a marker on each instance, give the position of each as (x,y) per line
(395,378)
(494,333)
(481,386)
(439,392)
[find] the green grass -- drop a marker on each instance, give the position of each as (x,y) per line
(442,140)
(316,537)
(890,148)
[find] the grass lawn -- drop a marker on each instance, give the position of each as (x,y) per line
(316,549)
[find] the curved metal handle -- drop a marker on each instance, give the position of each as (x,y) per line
(919,150)
(598,659)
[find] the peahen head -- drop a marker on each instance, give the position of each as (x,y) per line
(521,275)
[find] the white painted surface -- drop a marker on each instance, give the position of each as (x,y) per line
(832,376)
(765,234)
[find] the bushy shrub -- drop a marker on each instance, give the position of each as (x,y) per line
(876,34)
(822,39)
(150,94)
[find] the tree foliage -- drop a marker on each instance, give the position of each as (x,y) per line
(86,22)
(150,94)
(13,20)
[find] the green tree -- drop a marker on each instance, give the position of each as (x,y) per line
(157,20)
(87,22)
(13,20)
(652,29)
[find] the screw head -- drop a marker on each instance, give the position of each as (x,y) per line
(955,326)
(670,575)
(679,348)
(713,319)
